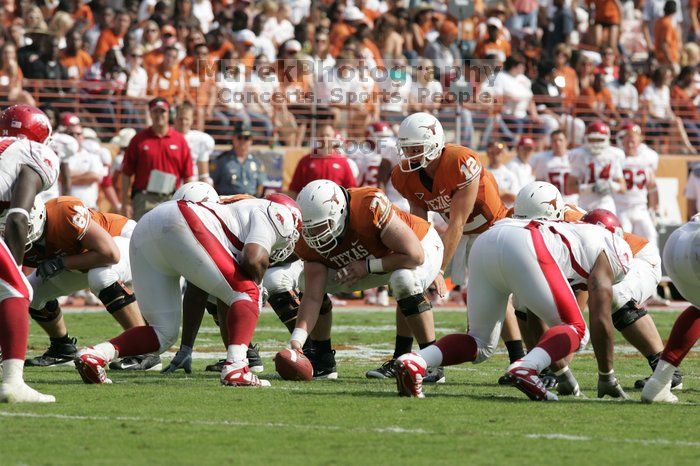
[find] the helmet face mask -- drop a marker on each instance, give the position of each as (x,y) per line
(597,137)
(324,208)
(279,199)
(35,223)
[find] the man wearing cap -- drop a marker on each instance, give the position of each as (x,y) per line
(237,171)
(520,164)
(244,42)
(494,44)
(352,17)
(156,162)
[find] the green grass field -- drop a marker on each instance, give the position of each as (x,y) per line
(146,418)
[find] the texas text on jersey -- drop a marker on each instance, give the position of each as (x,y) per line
(369,213)
(457,168)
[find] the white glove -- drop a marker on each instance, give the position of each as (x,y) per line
(602,187)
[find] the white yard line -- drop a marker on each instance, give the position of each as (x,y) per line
(379,430)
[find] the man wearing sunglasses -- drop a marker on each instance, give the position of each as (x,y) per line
(237,171)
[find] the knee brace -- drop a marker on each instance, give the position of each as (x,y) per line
(285,305)
(413,305)
(116,296)
(521,315)
(627,315)
(50,312)
(326,305)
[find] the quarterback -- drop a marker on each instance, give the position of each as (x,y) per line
(27,168)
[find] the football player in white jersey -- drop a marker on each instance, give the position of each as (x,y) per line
(201,144)
(520,164)
(507,182)
(681,258)
(65,146)
(390,159)
(27,167)
(534,260)
(223,250)
(369,155)
(554,165)
(596,169)
(638,203)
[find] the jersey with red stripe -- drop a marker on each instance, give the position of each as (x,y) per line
(555,170)
(236,224)
(15,153)
(576,247)
(637,172)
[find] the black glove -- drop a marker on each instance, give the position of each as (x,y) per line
(50,268)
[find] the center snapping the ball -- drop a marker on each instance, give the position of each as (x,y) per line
(291,365)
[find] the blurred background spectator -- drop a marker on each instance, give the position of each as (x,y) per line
(237,171)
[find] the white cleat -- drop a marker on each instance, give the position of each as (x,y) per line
(20,392)
(655,391)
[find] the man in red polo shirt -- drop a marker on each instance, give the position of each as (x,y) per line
(323,163)
(156,162)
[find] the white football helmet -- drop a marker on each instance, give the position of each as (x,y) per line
(597,137)
(324,210)
(196,191)
(539,201)
(419,130)
(37,220)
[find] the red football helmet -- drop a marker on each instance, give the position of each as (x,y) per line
(69,119)
(597,137)
(378,130)
(629,127)
(24,120)
(605,219)
(288,202)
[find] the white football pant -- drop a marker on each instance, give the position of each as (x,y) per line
(637,220)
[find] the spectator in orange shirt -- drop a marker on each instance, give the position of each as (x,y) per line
(200,86)
(494,44)
(596,101)
(565,76)
(219,45)
(73,57)
(608,16)
(114,36)
(244,43)
(666,43)
(352,17)
(166,80)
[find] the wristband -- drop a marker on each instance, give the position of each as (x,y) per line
(18,210)
(300,335)
(375,266)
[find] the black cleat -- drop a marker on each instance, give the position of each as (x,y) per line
(324,364)
(58,354)
(385,371)
(255,362)
(143,362)
(434,375)
(676,381)
(218,366)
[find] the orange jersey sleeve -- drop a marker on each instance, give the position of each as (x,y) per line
(112,223)
(573,213)
(635,242)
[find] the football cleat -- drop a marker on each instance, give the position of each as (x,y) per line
(324,364)
(218,366)
(90,364)
(410,370)
(385,371)
(676,381)
(528,381)
(57,354)
(143,362)
(20,392)
(254,360)
(434,375)
(655,391)
(241,376)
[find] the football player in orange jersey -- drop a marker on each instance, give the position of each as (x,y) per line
(449,179)
(79,248)
(355,240)
(628,314)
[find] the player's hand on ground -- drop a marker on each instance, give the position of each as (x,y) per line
(352,272)
(50,268)
(182,360)
(608,385)
(440,285)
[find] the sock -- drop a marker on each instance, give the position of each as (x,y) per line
(515,350)
(241,319)
(64,340)
(14,328)
(403,345)
(237,354)
(425,345)
(536,359)
(653,360)
(322,346)
(457,348)
(565,376)
(432,355)
(12,371)
(135,341)
(664,372)
(684,334)
(107,349)
(558,342)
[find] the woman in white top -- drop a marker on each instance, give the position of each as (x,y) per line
(661,121)
(150,39)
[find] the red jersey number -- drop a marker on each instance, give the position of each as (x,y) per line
(634,178)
